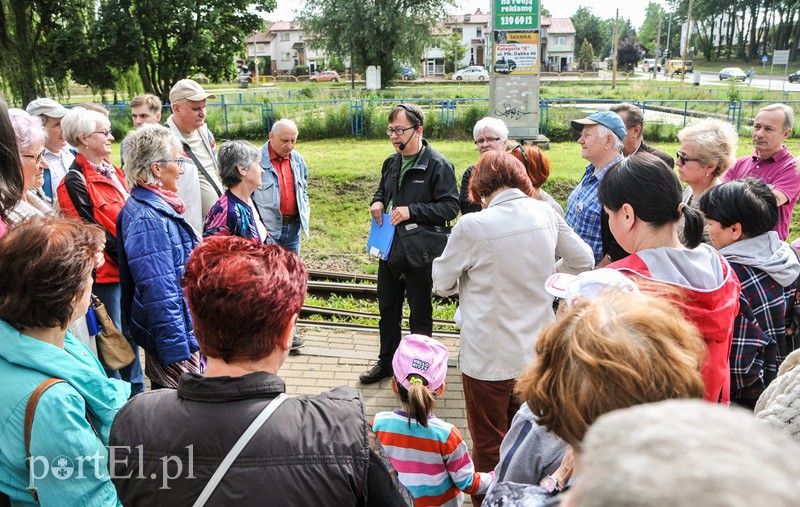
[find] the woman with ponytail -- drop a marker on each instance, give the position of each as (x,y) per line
(642,197)
(413,436)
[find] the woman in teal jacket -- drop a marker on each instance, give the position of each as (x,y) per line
(46,266)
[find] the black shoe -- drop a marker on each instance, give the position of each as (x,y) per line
(375,374)
(297,343)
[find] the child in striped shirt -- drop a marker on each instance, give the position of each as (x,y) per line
(429,454)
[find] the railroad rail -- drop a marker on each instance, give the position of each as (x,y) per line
(348,326)
(358,286)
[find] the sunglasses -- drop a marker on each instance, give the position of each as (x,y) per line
(683,158)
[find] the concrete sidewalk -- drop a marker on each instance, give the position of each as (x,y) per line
(334,358)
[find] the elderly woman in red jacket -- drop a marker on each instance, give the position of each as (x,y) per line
(94,191)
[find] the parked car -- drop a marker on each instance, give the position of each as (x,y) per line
(689,66)
(408,73)
(734,73)
(647,64)
(794,76)
(471,73)
(504,66)
(325,75)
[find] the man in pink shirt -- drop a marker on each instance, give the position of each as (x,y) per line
(772,162)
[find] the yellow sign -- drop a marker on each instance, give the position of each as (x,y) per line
(516,52)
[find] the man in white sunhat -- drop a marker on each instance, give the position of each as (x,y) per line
(56,150)
(200,186)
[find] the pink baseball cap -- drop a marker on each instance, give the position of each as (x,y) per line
(420,356)
(588,284)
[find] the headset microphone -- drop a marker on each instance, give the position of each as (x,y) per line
(402,146)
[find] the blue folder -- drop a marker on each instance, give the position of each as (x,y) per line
(380,238)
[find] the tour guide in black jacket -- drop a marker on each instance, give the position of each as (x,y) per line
(166,444)
(419,193)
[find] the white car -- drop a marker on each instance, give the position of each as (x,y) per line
(471,73)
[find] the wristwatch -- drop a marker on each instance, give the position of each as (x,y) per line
(549,484)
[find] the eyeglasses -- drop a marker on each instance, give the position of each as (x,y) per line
(36,158)
(683,158)
(104,132)
(482,140)
(178,161)
(398,131)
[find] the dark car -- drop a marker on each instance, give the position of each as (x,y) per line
(794,77)
(504,66)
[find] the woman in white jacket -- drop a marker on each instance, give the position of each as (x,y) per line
(498,261)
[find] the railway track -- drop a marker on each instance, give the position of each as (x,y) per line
(326,283)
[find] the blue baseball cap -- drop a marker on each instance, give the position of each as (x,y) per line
(608,119)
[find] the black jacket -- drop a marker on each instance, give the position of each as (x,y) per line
(429,190)
(314,450)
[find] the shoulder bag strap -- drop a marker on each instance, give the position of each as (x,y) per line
(30,412)
(237,449)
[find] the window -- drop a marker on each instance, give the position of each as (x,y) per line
(561,41)
(285,37)
(286,57)
(457,30)
(478,33)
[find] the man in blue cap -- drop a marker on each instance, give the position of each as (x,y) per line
(601,138)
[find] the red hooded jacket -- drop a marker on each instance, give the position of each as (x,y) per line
(711,301)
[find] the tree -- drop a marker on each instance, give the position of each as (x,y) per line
(36,39)
(587,26)
(648,33)
(586,55)
(373,32)
(172,40)
(453,50)
(629,53)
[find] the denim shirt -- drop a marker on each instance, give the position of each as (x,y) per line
(267,197)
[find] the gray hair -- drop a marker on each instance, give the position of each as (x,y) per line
(144,147)
(80,122)
(788,114)
(716,141)
(232,155)
(603,131)
(629,458)
(278,125)
(496,125)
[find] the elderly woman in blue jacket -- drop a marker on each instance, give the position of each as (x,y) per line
(154,245)
(46,269)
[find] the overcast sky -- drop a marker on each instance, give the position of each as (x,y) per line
(558,8)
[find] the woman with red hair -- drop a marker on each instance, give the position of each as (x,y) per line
(314,450)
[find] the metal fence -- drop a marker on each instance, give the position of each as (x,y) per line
(248,118)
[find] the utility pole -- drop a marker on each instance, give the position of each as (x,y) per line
(658,45)
(686,40)
(666,50)
(614,51)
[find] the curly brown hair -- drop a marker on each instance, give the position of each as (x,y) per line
(613,351)
(44,265)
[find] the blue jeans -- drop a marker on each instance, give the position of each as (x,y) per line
(290,236)
(110,294)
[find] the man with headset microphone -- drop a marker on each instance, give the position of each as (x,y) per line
(418,188)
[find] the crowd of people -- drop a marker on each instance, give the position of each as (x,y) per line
(600,345)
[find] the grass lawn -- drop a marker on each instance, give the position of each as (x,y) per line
(344,173)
